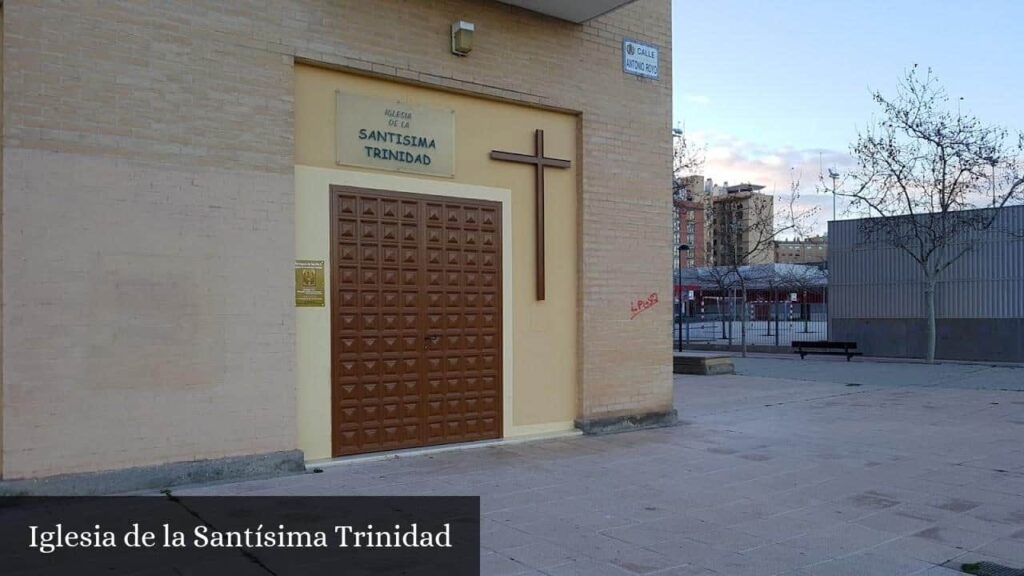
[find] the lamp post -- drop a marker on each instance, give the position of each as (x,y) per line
(834,176)
(828,313)
(678,289)
(992,162)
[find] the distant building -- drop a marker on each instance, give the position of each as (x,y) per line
(812,250)
(876,294)
(741,219)
(689,222)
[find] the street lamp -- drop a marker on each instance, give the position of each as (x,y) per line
(992,162)
(834,176)
(678,289)
(828,314)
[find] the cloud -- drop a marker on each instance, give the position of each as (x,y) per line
(733,160)
(699,99)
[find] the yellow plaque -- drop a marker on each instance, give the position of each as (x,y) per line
(390,135)
(309,283)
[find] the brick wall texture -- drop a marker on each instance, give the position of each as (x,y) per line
(148,213)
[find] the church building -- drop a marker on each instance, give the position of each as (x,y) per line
(243,237)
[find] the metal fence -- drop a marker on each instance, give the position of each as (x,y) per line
(772,319)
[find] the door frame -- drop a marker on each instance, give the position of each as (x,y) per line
(479,196)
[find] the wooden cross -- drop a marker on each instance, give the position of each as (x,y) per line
(539,162)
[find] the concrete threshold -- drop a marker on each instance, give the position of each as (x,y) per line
(430,450)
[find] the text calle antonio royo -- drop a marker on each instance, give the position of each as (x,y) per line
(47,541)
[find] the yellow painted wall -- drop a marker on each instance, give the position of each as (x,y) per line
(541,374)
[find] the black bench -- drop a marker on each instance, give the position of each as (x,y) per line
(848,349)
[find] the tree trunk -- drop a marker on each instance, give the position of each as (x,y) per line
(743,322)
(929,302)
(777,312)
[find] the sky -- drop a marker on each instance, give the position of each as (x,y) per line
(772,86)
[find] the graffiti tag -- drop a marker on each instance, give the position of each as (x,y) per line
(641,306)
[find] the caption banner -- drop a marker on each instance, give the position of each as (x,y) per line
(241,535)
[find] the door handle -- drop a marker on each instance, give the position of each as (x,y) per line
(431,341)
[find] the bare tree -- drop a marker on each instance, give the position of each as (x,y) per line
(687,157)
(933,179)
(687,164)
(747,224)
(802,278)
(772,280)
(724,280)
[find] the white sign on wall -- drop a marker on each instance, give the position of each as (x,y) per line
(387,135)
(640,59)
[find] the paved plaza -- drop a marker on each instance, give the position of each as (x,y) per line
(813,467)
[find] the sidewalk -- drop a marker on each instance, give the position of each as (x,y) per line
(782,469)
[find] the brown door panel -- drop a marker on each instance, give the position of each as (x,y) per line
(415,320)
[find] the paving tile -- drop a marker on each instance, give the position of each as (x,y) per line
(785,526)
(1010,513)
(940,571)
(840,540)
(974,558)
(985,496)
(631,557)
(1011,550)
(955,537)
(505,537)
(641,561)
(639,508)
(868,563)
(539,555)
(691,553)
(497,565)
(687,570)
(871,501)
(686,551)
(822,516)
(586,567)
(970,521)
(920,549)
(953,504)
(525,513)
(725,538)
(779,558)
(661,530)
(740,511)
(900,520)
(561,530)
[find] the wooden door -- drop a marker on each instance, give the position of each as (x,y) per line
(415,320)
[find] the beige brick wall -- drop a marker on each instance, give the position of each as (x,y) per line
(147,238)
(142,333)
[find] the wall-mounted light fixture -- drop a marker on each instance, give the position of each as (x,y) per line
(462,37)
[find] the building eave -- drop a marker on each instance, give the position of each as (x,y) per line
(570,10)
